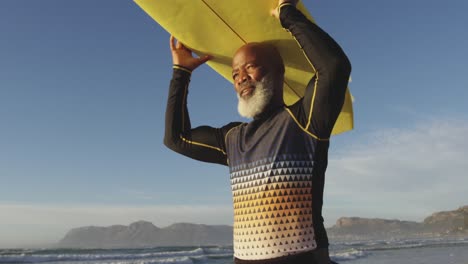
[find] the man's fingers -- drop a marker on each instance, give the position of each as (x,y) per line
(205,58)
(181,55)
(293,2)
(176,44)
(274,12)
(171,42)
(200,60)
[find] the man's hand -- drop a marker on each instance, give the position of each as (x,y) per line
(182,56)
(275,12)
(293,2)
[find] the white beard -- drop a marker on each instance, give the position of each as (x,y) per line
(255,104)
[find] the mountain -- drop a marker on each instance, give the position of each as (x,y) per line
(449,221)
(454,223)
(145,234)
(355,226)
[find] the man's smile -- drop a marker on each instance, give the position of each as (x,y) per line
(246,91)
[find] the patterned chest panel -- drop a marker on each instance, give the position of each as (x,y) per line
(271,164)
(273,207)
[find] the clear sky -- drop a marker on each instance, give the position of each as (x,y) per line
(83,86)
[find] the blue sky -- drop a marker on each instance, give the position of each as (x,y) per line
(83,86)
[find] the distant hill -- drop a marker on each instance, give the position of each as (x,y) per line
(372,227)
(452,223)
(145,234)
(449,221)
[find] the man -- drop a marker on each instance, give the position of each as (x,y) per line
(278,160)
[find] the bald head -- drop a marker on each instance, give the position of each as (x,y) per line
(265,55)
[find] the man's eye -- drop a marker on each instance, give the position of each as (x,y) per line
(234,76)
(252,67)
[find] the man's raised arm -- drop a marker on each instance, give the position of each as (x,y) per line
(325,93)
(202,143)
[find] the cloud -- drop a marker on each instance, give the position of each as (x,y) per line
(401,173)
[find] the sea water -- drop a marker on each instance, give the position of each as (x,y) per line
(411,251)
(401,251)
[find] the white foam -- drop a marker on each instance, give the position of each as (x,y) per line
(168,256)
(218,250)
(178,260)
(348,255)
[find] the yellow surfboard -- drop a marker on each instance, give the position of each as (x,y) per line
(220,27)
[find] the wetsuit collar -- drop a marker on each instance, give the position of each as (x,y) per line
(270,111)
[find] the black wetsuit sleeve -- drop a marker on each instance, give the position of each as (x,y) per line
(203,143)
(324,96)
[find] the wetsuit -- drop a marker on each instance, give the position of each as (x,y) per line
(277,161)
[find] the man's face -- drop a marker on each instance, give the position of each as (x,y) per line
(257,73)
(254,80)
(248,68)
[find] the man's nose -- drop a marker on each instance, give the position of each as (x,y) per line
(243,77)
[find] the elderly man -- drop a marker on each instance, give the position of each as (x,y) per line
(277,161)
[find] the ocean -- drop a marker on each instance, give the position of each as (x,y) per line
(394,251)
